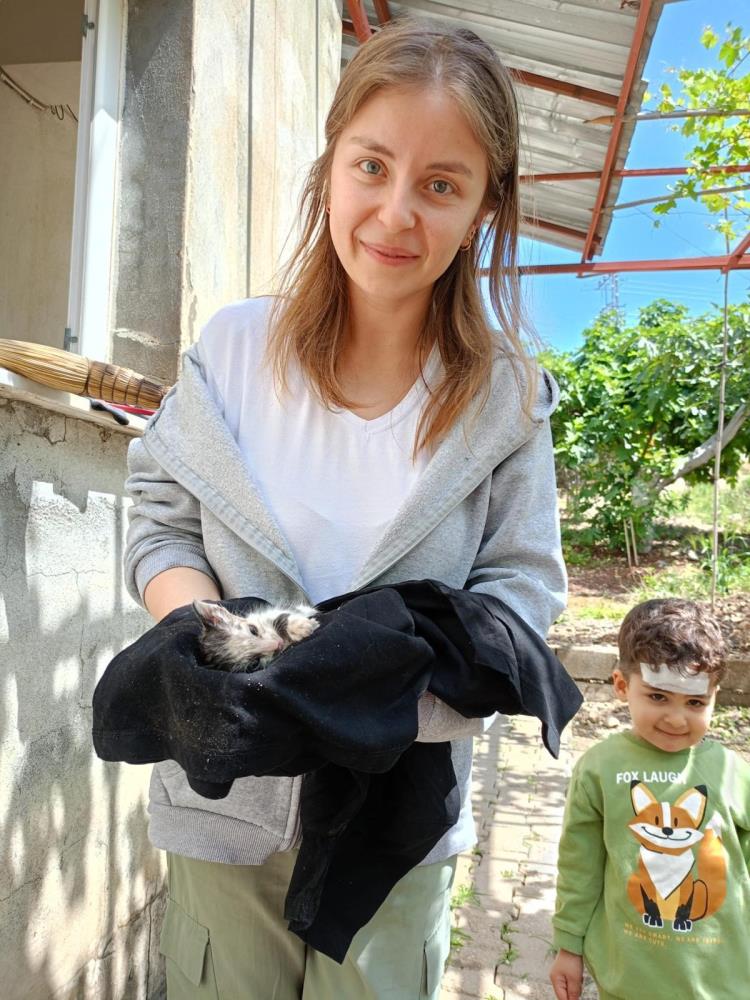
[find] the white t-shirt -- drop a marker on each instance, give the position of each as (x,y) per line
(331,480)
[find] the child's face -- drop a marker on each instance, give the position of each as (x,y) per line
(668,720)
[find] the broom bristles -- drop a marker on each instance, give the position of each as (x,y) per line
(72,373)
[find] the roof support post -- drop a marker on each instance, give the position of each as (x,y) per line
(614,138)
(563,87)
(382,10)
(357,12)
(734,258)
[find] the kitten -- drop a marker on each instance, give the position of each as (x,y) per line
(249,642)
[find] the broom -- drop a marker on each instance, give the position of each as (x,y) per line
(73,373)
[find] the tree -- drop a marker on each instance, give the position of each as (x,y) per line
(637,402)
(719,140)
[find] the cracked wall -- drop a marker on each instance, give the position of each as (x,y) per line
(81,890)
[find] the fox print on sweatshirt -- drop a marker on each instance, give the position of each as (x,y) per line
(682,870)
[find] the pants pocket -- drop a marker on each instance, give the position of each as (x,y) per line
(436,949)
(187,948)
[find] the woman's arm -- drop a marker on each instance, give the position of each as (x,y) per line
(519,561)
(164,552)
(175,587)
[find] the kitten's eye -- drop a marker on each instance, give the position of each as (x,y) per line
(253,629)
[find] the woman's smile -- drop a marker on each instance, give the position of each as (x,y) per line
(390,256)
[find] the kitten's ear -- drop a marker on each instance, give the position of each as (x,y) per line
(212,615)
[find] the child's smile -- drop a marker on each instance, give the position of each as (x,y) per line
(668,720)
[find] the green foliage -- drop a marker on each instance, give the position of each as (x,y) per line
(635,400)
(693,580)
(464,895)
(717,141)
(458,939)
(735,505)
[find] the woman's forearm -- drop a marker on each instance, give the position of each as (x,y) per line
(175,587)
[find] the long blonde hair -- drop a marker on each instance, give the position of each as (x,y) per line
(309,318)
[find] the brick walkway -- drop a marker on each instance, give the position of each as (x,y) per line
(502,935)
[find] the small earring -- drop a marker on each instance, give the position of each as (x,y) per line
(468,241)
(328,209)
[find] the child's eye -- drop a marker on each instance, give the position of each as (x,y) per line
(694,703)
(371,167)
(657,697)
(442,187)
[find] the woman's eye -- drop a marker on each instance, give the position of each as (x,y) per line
(371,167)
(442,187)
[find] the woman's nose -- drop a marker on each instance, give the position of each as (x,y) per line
(396,209)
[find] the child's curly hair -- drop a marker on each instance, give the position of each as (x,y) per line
(673,631)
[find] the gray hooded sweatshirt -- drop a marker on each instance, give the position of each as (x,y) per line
(482,516)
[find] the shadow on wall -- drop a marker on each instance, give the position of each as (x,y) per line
(81,888)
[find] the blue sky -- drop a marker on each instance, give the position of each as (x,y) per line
(561,306)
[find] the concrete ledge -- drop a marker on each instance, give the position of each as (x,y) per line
(592,666)
(66,404)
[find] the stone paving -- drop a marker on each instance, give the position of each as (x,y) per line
(505,885)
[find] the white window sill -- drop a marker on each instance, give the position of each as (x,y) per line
(13,386)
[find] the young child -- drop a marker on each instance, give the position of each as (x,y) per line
(653,887)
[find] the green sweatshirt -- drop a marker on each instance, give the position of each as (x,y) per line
(654,870)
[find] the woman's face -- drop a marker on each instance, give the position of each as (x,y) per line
(408,180)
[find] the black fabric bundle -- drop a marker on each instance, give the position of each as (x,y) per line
(341,709)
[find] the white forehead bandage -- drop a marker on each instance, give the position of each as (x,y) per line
(668,679)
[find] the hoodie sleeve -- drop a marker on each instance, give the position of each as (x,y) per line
(580,866)
(164,524)
(520,558)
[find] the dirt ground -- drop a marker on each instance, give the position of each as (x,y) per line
(611,583)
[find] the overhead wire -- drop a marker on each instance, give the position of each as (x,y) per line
(59,111)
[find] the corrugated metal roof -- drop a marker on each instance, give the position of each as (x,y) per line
(584,43)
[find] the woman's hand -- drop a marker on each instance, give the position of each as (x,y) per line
(566,975)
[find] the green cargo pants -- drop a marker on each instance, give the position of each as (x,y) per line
(224,937)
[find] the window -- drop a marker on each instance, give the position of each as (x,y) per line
(59,113)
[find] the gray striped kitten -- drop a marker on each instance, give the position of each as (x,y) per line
(249,642)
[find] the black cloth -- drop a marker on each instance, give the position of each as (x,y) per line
(341,709)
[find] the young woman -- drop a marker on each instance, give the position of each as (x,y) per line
(368,425)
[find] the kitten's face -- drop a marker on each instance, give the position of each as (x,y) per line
(246,642)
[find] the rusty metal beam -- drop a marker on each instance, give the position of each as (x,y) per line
(614,137)
(359,22)
(382,11)
(594,175)
(554,227)
(563,87)
(734,258)
(623,266)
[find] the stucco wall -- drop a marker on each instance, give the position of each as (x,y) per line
(223,109)
(79,883)
(37,167)
(296,65)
